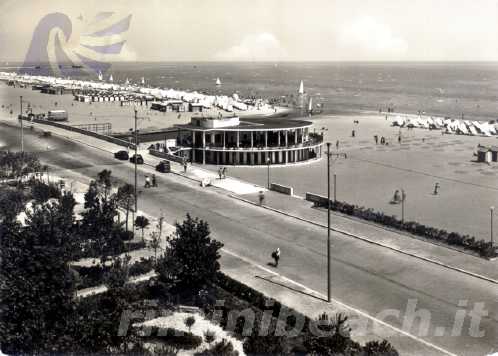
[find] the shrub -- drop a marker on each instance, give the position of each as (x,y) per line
(189,322)
(481,247)
(209,336)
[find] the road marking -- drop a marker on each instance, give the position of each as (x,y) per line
(358,311)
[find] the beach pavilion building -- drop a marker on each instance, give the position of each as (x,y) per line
(252,142)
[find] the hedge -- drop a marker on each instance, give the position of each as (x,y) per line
(483,248)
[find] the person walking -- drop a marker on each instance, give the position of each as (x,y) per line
(147,182)
(399,139)
(276,256)
(436,188)
(337,145)
(224,172)
(220,172)
(184,166)
(376,139)
(154,182)
(261,198)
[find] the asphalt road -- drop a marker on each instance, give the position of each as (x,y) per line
(365,276)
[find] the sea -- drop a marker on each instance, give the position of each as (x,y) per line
(437,88)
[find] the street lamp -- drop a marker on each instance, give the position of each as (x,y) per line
(268,162)
(329,272)
(403,198)
(491,210)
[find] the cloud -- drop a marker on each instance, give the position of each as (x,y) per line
(261,47)
(368,37)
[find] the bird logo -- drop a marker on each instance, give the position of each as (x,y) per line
(60,48)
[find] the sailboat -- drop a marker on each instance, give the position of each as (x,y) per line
(301,88)
(127,82)
(143,81)
(310,106)
(110,78)
(100,76)
(218,82)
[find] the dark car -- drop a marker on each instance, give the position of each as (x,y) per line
(139,158)
(121,155)
(164,167)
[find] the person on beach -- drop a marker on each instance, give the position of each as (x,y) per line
(276,256)
(337,145)
(396,197)
(224,171)
(376,139)
(353,133)
(436,188)
(399,138)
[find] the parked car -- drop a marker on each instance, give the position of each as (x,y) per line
(139,158)
(121,155)
(164,167)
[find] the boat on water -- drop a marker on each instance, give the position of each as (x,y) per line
(101,77)
(301,88)
(218,82)
(111,78)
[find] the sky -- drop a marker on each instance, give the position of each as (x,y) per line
(271,30)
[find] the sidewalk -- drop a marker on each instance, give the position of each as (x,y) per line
(300,208)
(196,173)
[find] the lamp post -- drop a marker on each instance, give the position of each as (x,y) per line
(22,126)
(403,198)
(491,210)
(268,162)
(329,267)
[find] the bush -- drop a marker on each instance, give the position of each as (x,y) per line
(480,247)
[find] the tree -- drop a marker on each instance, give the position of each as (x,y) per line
(142,222)
(97,226)
(119,272)
(37,285)
(155,244)
(221,348)
(12,202)
(104,182)
(126,199)
(382,348)
(189,322)
(191,260)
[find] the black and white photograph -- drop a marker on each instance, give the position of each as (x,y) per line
(265,177)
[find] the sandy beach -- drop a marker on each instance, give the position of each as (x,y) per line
(368,177)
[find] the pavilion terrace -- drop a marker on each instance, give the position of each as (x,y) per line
(230,141)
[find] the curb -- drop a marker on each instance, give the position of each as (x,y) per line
(366,239)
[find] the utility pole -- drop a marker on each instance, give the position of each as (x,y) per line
(22,127)
(492,209)
(328,224)
(135,161)
(403,198)
(329,267)
(268,161)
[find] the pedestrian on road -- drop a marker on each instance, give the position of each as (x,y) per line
(154,182)
(224,172)
(261,198)
(220,172)
(436,188)
(276,256)
(184,166)
(147,182)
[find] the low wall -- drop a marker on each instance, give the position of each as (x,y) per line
(111,139)
(282,189)
(317,199)
(167,156)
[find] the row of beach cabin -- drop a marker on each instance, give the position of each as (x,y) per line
(461,127)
